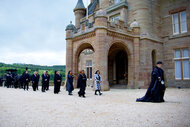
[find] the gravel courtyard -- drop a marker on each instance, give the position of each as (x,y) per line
(116,108)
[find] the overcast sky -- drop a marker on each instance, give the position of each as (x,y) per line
(33,31)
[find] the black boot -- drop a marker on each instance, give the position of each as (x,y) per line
(95,92)
(99,92)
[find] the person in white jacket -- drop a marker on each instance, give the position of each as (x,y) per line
(97,82)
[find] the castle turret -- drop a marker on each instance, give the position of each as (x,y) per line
(70,30)
(80,12)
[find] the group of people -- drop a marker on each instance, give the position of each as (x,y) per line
(155,92)
(81,83)
(45,81)
(25,79)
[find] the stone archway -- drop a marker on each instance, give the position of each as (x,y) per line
(79,49)
(118,65)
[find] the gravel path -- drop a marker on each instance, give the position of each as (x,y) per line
(116,108)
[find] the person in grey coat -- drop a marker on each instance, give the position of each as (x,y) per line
(69,84)
(97,82)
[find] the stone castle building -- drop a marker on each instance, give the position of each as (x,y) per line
(124,39)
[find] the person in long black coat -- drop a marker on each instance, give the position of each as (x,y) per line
(35,81)
(8,80)
(156,90)
(26,80)
(48,77)
(38,78)
(57,82)
(1,82)
(69,84)
(81,83)
(44,81)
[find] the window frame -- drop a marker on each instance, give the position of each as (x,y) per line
(113,17)
(181,59)
(173,24)
(179,22)
(88,66)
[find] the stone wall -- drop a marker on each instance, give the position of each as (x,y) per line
(171,42)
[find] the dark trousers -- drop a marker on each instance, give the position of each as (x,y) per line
(47,86)
(43,87)
(82,90)
(34,86)
(26,85)
(57,87)
(8,84)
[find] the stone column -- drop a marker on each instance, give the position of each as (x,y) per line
(69,55)
(136,52)
(69,51)
(101,58)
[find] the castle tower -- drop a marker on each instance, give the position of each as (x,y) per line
(79,11)
(70,29)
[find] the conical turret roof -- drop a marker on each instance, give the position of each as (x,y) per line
(80,5)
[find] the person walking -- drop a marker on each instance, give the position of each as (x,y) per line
(57,82)
(156,90)
(97,82)
(34,81)
(26,78)
(81,83)
(69,84)
(48,77)
(44,81)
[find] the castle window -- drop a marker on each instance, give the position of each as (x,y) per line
(114,18)
(182,64)
(179,22)
(89,69)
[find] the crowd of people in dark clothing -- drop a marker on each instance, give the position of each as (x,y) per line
(155,92)
(22,81)
(25,79)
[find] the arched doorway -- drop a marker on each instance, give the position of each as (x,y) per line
(153,58)
(84,61)
(118,66)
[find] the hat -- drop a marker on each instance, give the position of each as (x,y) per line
(159,62)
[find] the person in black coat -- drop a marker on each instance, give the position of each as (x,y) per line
(48,77)
(57,82)
(8,80)
(38,78)
(26,80)
(1,82)
(35,80)
(156,90)
(44,81)
(69,84)
(81,83)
